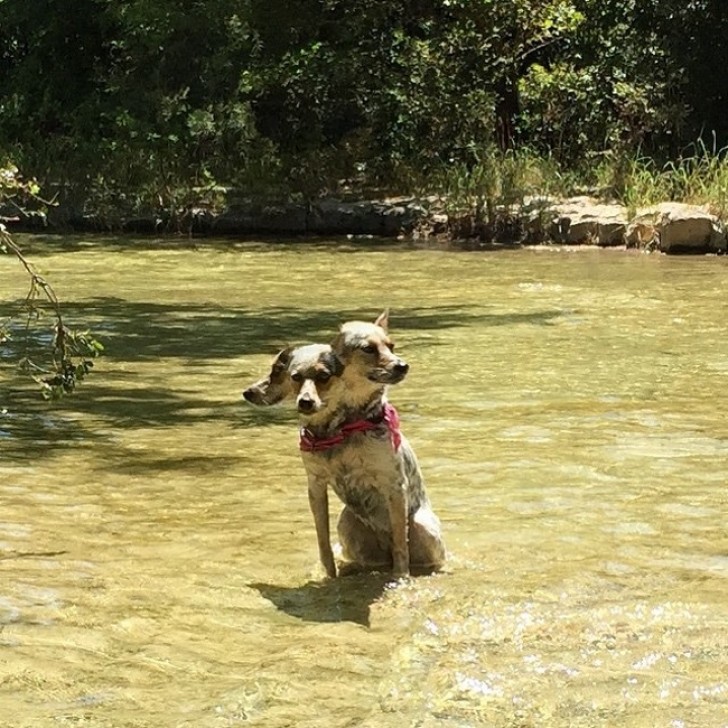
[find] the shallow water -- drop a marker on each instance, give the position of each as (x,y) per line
(158,564)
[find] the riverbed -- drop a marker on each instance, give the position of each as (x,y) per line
(158,562)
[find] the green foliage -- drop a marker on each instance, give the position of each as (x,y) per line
(71,352)
(699,178)
(125,106)
(610,90)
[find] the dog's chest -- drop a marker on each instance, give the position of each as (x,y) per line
(368,502)
(362,474)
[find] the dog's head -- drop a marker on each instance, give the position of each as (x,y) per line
(305,373)
(367,352)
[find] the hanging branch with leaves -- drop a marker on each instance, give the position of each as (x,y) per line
(72,351)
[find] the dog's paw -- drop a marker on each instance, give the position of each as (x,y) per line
(351,568)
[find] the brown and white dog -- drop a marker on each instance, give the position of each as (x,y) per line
(351,440)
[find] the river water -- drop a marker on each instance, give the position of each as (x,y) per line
(158,563)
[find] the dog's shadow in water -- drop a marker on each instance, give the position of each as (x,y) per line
(345,599)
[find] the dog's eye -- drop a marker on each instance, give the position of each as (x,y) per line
(369,349)
(297,377)
(323,377)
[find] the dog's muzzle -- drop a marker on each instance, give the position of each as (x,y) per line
(258,396)
(306,405)
(254,396)
(392,375)
(400,369)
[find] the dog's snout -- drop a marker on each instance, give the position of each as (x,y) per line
(305,404)
(401,367)
(249,394)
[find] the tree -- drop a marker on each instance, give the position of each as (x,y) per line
(147,104)
(692,36)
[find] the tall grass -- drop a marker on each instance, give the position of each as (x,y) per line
(698,178)
(702,179)
(498,183)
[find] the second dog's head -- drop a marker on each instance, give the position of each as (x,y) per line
(305,373)
(367,352)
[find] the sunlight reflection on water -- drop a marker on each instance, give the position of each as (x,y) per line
(157,555)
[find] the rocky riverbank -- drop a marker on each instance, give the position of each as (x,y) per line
(668,227)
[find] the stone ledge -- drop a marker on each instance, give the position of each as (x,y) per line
(668,227)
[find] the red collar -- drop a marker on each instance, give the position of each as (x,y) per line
(310,443)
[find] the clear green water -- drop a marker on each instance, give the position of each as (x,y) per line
(158,564)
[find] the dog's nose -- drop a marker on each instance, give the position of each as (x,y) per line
(248,394)
(401,368)
(305,405)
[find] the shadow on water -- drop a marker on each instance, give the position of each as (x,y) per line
(200,334)
(138,331)
(31,428)
(346,599)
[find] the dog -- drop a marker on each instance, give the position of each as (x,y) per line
(296,372)
(350,439)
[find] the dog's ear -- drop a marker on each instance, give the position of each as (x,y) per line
(338,345)
(383,320)
(336,365)
(282,358)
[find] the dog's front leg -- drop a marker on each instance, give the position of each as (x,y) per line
(318,499)
(398,512)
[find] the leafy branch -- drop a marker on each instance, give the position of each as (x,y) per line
(72,352)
